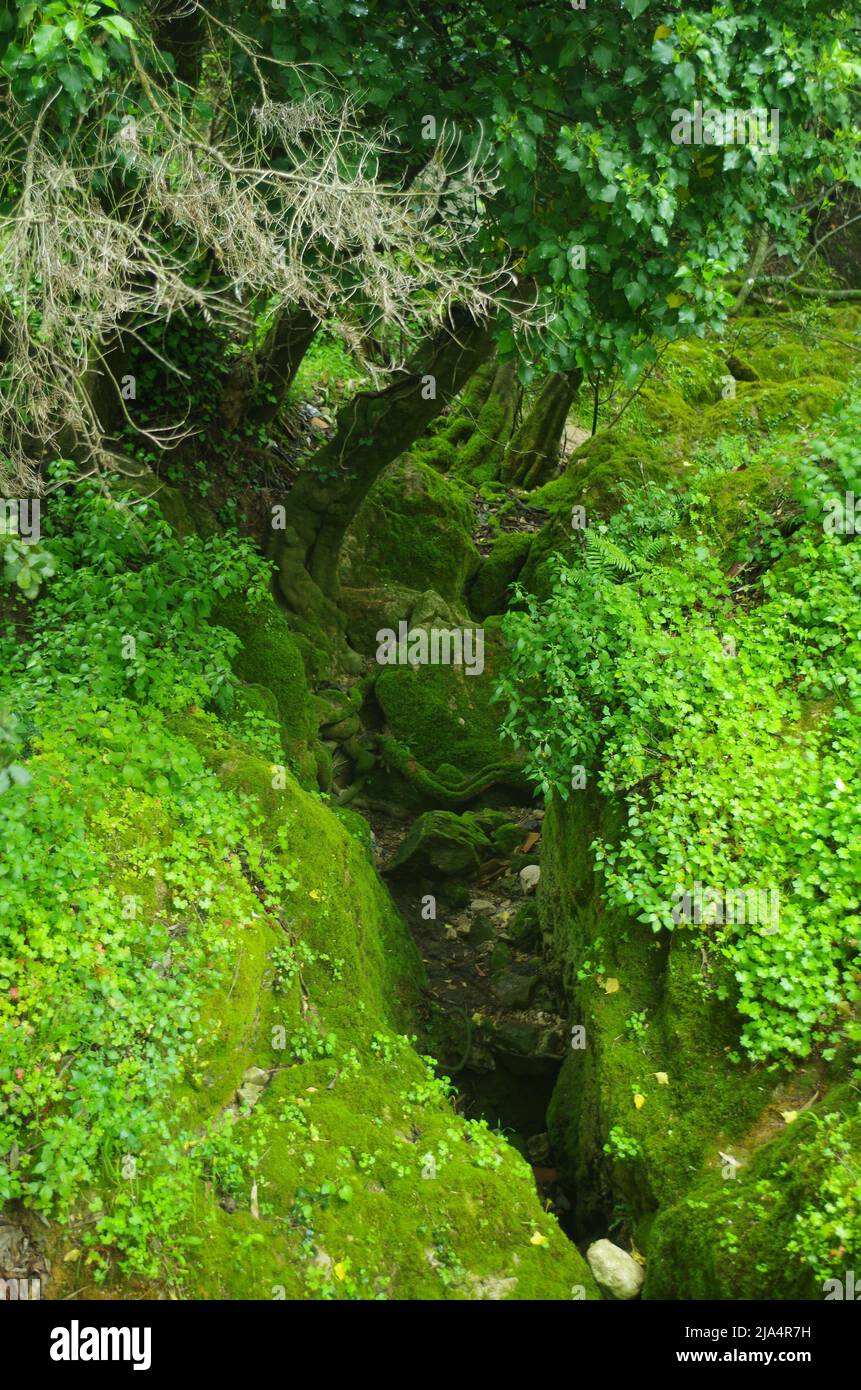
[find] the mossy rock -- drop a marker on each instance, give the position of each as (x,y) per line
(782,350)
(499,569)
(348,1174)
(441,842)
(730,1236)
(260,700)
(694,369)
(333,704)
(590,484)
(740,496)
(524,930)
(767,409)
(504,834)
(371,610)
(594,472)
(707,1102)
(443,743)
(414,525)
(356,826)
(270,657)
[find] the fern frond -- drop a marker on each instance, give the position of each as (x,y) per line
(605,556)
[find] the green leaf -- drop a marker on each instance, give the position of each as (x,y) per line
(45,39)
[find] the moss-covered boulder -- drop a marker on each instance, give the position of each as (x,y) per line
(767,408)
(302,1149)
(647,1022)
(795,347)
(489,591)
(441,842)
(439,743)
(413,530)
(773,1222)
(736,1182)
(270,657)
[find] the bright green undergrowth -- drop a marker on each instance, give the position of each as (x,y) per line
(714,683)
(102,975)
(171,924)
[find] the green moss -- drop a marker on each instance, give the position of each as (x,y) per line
(769,409)
(590,484)
(705,1104)
(479,457)
(357,826)
(739,496)
(498,571)
(444,723)
(732,1235)
(441,447)
(793,349)
(270,657)
(595,471)
(413,530)
(350,1175)
(371,609)
(259,699)
(440,842)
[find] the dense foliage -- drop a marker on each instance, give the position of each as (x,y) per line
(718,694)
(99,996)
(574,108)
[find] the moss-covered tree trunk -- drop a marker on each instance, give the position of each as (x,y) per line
(374,428)
(461,423)
(481,456)
(258,385)
(534,450)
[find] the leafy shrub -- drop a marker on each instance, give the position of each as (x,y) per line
(727,715)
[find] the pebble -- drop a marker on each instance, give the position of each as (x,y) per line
(529,877)
(480,906)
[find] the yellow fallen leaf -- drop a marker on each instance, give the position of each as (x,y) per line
(315,894)
(789,1115)
(71,1255)
(639,1100)
(662,32)
(537,1239)
(662,1078)
(611,986)
(340,1270)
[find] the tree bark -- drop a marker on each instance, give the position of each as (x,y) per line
(481,457)
(754,267)
(535,447)
(375,428)
(275,367)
